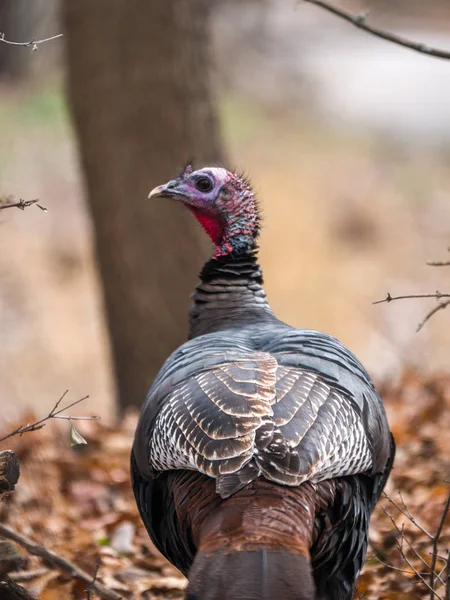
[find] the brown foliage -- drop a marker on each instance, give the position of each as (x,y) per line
(78,503)
(419,412)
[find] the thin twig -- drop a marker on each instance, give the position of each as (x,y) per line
(435,539)
(422,579)
(395,568)
(53,414)
(33,43)
(438,295)
(441,572)
(417,554)
(438,263)
(409,516)
(436,542)
(428,316)
(360,21)
(22,204)
(88,590)
(405,558)
(61,563)
(403,538)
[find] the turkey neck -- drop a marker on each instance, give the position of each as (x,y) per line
(230,294)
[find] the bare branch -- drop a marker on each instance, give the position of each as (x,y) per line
(373,555)
(433,593)
(432,573)
(22,204)
(438,295)
(436,542)
(417,554)
(53,414)
(441,572)
(405,511)
(428,316)
(60,563)
(403,538)
(360,21)
(34,44)
(401,532)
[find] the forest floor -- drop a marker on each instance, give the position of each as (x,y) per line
(77,502)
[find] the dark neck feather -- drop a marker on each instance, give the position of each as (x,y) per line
(230,294)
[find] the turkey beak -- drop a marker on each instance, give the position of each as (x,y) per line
(167,190)
(157,192)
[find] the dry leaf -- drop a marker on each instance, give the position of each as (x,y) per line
(88,502)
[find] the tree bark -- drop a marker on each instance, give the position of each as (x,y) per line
(140,91)
(9,471)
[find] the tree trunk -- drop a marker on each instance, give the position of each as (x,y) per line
(140,93)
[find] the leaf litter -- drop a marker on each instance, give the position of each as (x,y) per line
(77,501)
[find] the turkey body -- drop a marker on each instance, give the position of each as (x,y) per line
(261,450)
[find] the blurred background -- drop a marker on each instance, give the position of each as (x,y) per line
(345,137)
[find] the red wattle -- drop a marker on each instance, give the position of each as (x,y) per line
(210,224)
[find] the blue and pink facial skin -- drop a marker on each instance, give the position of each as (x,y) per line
(222,202)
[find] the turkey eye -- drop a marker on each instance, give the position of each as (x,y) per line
(203,184)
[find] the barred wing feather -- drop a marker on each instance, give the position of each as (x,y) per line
(248,414)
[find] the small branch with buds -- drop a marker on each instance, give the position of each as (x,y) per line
(437,295)
(33,44)
(55,413)
(360,21)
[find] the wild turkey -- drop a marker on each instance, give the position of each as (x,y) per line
(261,450)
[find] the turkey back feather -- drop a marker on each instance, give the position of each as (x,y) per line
(247,452)
(235,412)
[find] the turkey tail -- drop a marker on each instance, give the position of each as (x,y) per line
(253,545)
(251,575)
